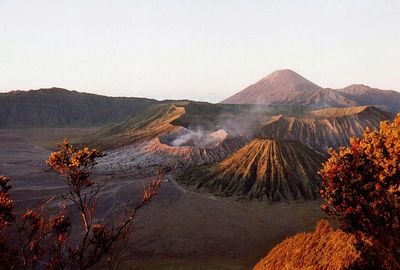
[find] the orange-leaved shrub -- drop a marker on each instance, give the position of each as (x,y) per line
(361,188)
(35,240)
(323,249)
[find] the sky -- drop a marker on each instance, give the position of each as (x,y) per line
(201,50)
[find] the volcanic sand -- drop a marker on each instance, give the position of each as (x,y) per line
(179,229)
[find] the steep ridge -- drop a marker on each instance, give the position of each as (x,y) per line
(325,128)
(56,107)
(264,169)
(285,87)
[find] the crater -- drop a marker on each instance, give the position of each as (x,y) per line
(199,138)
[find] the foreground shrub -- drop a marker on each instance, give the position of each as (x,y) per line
(35,240)
(361,188)
(323,249)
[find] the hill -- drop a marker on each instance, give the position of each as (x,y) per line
(286,87)
(263,169)
(323,249)
(57,107)
(324,128)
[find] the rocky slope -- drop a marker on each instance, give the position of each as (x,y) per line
(265,169)
(56,107)
(325,128)
(286,87)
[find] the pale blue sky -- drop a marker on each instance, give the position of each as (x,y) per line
(203,50)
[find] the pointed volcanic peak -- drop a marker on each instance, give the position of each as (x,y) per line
(266,169)
(279,87)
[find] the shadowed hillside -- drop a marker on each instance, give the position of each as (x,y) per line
(264,169)
(56,107)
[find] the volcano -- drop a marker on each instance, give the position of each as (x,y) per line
(268,169)
(279,87)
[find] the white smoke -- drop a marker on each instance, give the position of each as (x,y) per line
(198,137)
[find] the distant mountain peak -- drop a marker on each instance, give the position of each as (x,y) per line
(286,76)
(277,87)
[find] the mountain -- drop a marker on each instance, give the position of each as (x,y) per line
(279,87)
(263,169)
(57,107)
(286,87)
(324,128)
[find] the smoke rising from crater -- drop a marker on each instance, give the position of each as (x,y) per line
(197,137)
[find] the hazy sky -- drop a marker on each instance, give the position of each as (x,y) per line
(203,50)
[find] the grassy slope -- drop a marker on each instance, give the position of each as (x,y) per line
(323,249)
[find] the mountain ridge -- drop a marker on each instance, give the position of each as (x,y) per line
(59,107)
(286,87)
(324,128)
